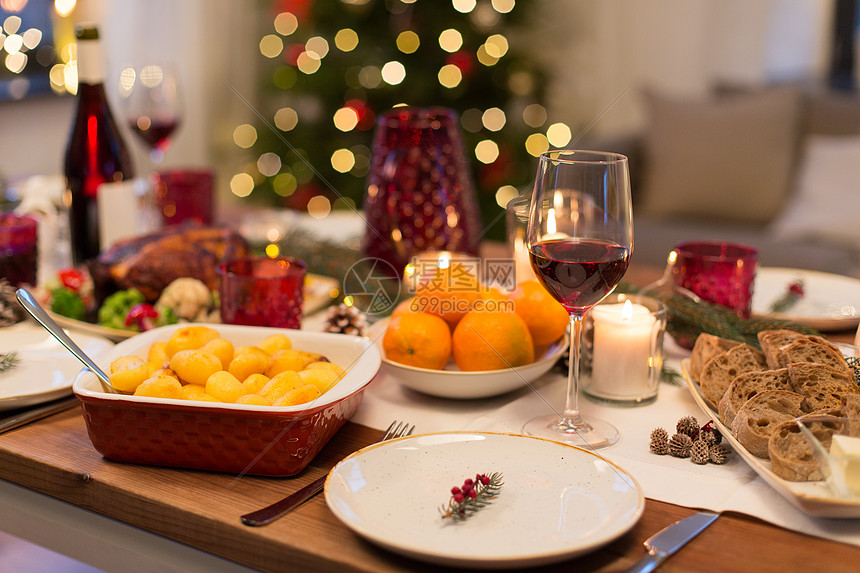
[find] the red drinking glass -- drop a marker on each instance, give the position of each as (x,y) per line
(262,291)
(420,196)
(718,272)
(184,195)
(18,249)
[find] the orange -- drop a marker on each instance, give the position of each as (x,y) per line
(448,292)
(418,339)
(492,340)
(545,317)
(404,307)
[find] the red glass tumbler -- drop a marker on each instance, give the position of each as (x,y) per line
(184,195)
(420,196)
(18,249)
(262,291)
(718,272)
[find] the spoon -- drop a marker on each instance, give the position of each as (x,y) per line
(36,311)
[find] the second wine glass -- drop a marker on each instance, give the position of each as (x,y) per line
(152,106)
(579,237)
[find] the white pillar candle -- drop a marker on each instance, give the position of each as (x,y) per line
(621,363)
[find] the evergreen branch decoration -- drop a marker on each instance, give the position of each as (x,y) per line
(472,496)
(8,361)
(688,318)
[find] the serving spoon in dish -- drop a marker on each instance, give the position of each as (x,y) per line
(36,311)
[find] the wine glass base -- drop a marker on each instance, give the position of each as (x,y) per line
(586,432)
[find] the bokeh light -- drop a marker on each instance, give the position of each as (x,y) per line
(493,119)
(245,135)
(271,46)
(487,151)
(450,76)
(463,6)
(318,46)
(345,119)
(241,185)
(450,40)
(408,42)
(393,73)
(269,164)
(286,23)
(536,144)
(285,184)
(503,6)
(319,207)
(342,160)
(346,40)
(496,46)
(308,62)
(534,115)
(472,120)
(505,194)
(558,135)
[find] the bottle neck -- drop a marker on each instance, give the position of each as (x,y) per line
(90,66)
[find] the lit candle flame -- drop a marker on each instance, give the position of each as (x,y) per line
(627,311)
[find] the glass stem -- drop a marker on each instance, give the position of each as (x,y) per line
(571,405)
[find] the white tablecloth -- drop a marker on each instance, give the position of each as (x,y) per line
(733,486)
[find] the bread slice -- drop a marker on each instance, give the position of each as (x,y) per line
(707,346)
(808,350)
(760,415)
(745,386)
(720,370)
(772,340)
(791,456)
(850,406)
(822,386)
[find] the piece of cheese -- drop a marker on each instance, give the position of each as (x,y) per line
(845,453)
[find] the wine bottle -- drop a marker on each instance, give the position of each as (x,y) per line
(96,152)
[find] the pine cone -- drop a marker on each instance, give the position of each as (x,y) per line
(719,453)
(660,441)
(343,319)
(700,452)
(679,445)
(688,425)
(710,435)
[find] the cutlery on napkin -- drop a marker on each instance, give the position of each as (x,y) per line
(671,538)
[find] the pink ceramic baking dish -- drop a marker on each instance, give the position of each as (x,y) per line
(234,438)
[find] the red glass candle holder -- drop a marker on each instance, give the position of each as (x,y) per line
(184,195)
(718,272)
(420,196)
(262,291)
(18,249)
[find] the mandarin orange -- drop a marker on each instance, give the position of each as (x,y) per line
(545,317)
(448,292)
(492,340)
(418,339)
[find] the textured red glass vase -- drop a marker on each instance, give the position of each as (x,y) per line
(420,196)
(722,273)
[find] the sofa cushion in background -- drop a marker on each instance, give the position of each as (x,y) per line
(826,205)
(728,158)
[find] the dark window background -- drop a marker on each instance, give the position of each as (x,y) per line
(34,78)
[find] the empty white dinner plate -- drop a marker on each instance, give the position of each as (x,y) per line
(558,501)
(830,302)
(45,369)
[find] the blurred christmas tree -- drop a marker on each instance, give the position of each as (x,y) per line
(334,65)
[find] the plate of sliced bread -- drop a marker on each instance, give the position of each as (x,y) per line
(756,396)
(828,302)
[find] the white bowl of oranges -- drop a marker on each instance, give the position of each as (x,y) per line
(472,342)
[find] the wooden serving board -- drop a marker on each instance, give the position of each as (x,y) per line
(54,456)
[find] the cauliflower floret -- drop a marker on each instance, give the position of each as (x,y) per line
(189,298)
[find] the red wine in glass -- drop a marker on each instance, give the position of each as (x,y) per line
(578,273)
(155,133)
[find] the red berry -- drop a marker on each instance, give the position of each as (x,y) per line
(455,490)
(485,480)
(458,497)
(468,482)
(473,494)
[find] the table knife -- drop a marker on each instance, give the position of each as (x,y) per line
(671,539)
(31,415)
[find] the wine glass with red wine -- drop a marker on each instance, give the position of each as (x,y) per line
(580,237)
(152,106)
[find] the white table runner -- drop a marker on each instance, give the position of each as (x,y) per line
(733,486)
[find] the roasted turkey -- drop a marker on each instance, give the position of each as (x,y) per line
(151,262)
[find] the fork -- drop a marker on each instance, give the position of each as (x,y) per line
(272,512)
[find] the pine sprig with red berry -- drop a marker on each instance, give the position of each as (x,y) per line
(793,293)
(473,495)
